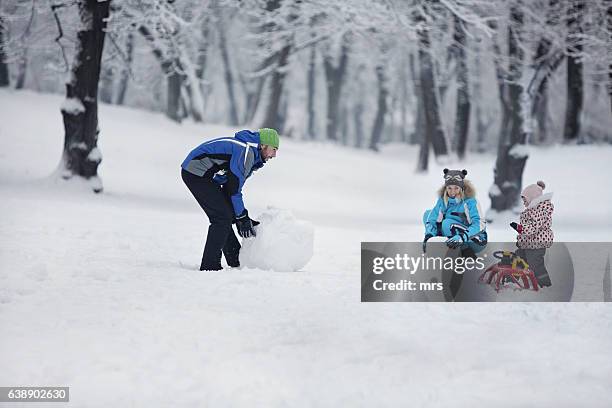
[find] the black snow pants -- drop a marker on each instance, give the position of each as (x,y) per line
(535,259)
(218,207)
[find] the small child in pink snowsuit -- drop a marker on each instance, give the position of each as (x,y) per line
(534,231)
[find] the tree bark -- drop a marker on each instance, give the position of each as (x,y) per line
(381,111)
(480,125)
(334,79)
(404,106)
(125,74)
(22,69)
(174,79)
(272,118)
(81,155)
(174,84)
(229,76)
(511,154)
(105,91)
(253,97)
(544,60)
(609,24)
(462,117)
(344,124)
(312,77)
(418,133)
(433,123)
(202,60)
(574,101)
(358,107)
(4,71)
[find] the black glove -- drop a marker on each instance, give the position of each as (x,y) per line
(427,236)
(455,241)
(245,225)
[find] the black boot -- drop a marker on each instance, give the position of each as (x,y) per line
(468,253)
(231,250)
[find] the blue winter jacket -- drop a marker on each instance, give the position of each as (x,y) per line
(465,212)
(228,161)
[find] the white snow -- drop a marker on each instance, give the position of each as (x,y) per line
(494,190)
(72,106)
(94,155)
(101,292)
(282,244)
(519,151)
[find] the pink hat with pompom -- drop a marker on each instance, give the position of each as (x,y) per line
(533,191)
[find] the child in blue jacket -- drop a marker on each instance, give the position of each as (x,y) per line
(457,215)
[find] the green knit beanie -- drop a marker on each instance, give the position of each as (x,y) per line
(268,137)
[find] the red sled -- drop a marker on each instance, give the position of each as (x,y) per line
(508,269)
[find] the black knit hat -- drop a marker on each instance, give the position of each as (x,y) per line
(454,177)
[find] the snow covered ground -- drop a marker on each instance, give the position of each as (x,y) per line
(102,293)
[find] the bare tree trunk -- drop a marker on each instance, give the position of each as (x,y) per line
(421,134)
(358,123)
(381,111)
(334,79)
(229,77)
(418,133)
(541,104)
(358,107)
(253,93)
(434,130)
(404,106)
(549,63)
(574,100)
(125,74)
(252,98)
(174,83)
(344,124)
(312,77)
(272,118)
(462,117)
(573,107)
(480,125)
(202,59)
(81,155)
(22,68)
(22,62)
(609,24)
(4,72)
(511,154)
(105,90)
(174,80)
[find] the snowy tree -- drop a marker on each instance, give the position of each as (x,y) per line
(81,155)
(511,152)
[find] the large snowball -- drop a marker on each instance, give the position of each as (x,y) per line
(283,243)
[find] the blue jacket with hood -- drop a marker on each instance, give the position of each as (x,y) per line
(448,211)
(228,161)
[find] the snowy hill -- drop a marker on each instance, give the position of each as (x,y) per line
(101,292)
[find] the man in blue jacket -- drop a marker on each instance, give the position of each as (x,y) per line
(215,172)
